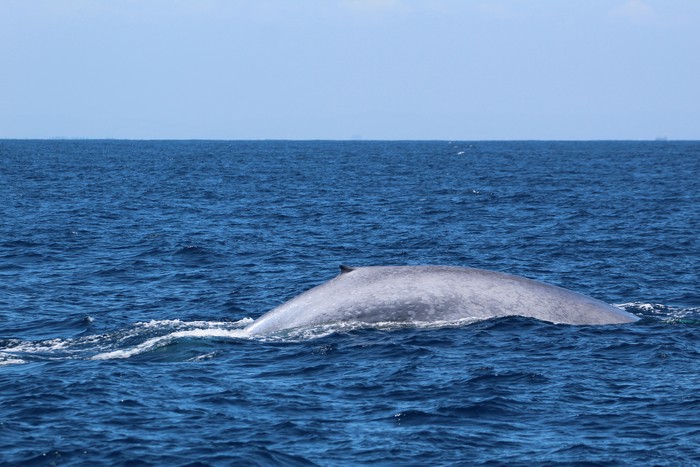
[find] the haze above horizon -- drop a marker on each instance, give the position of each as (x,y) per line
(350,69)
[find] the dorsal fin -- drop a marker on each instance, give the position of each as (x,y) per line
(345,269)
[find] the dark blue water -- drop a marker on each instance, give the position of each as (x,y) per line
(128,268)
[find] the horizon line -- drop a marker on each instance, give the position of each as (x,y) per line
(353,140)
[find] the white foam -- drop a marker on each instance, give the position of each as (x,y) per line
(198,324)
(666,313)
(161,341)
(10,360)
(50,345)
(647,307)
(200,358)
(103,345)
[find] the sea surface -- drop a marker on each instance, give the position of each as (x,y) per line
(129,268)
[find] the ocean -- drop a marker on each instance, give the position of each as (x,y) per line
(129,268)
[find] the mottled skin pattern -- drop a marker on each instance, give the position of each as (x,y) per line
(433,293)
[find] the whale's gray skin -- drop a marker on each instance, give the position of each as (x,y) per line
(433,293)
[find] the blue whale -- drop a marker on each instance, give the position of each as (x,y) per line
(429,294)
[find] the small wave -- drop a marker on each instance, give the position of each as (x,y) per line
(417,417)
(200,358)
(162,341)
(124,343)
(492,407)
(666,313)
(644,308)
(19,244)
(10,360)
(148,336)
(191,250)
(195,252)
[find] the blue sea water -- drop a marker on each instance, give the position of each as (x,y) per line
(128,268)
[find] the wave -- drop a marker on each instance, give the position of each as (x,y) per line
(140,338)
(151,336)
(664,313)
(172,338)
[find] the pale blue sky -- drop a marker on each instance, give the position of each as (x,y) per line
(338,69)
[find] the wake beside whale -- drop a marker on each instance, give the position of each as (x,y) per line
(426,294)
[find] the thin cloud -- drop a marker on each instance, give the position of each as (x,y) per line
(374,6)
(635,11)
(496,10)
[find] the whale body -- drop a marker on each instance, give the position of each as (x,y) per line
(426,294)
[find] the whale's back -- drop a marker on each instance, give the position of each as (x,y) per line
(421,294)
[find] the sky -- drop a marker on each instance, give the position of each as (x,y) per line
(350,69)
